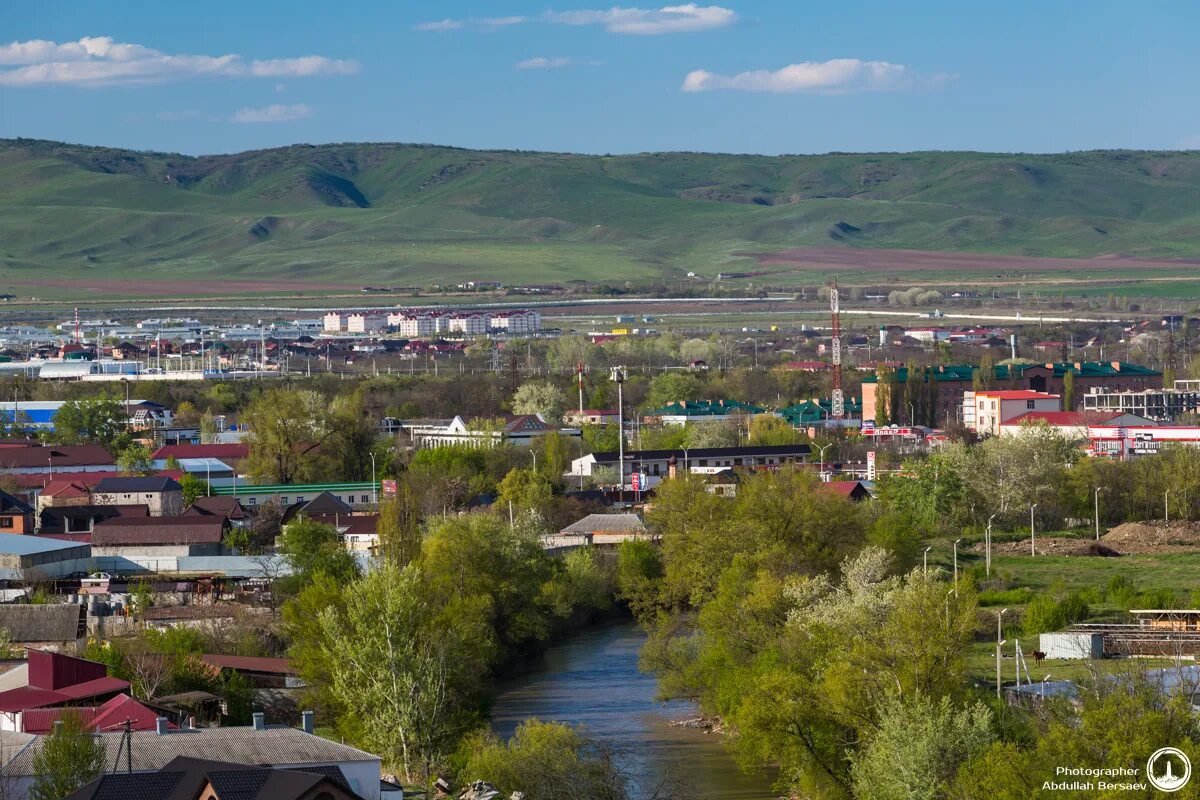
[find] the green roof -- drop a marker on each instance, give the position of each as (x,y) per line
(704,408)
(809,411)
(290,488)
(1004,372)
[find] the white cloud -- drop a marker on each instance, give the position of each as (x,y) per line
(543,63)
(687,18)
(440,25)
(100,61)
(836,76)
(500,22)
(272,113)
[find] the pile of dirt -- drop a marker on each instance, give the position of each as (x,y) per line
(1154,537)
(1046,546)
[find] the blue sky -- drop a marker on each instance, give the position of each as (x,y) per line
(770,76)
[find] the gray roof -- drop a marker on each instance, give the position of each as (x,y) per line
(136,483)
(607,523)
(242,745)
(43,623)
(27,545)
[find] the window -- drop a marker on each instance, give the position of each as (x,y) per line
(1029,404)
(283,501)
(6,522)
(366,498)
(704,462)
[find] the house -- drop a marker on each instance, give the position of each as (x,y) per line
(654,465)
(1160,405)
(1121,441)
(265,673)
(56,520)
(365,323)
(73,489)
(608,529)
(257,745)
(230,452)
(819,412)
(334,322)
(516,429)
(226,507)
(56,680)
(164,496)
(110,715)
(156,543)
(251,496)
(16,516)
(985,411)
(851,490)
(44,626)
(592,416)
(1072,425)
(30,559)
(323,505)
(359,532)
(186,777)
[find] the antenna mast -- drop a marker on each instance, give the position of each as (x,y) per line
(839,406)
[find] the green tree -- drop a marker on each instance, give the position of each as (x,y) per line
(540,397)
(313,547)
(1068,395)
(672,387)
(286,427)
(918,747)
(768,430)
(193,487)
(69,758)
(136,459)
(545,761)
(407,668)
(101,421)
(399,526)
(526,490)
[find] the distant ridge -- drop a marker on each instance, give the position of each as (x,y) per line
(417,214)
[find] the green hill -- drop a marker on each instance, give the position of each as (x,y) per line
(409,214)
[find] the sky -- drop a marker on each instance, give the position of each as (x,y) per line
(768,76)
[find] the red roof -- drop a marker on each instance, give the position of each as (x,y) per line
(158,530)
(88,479)
(24,697)
(277,666)
(51,670)
(1016,394)
(66,488)
(1056,418)
(110,716)
(94,688)
(65,457)
(230,450)
(41,720)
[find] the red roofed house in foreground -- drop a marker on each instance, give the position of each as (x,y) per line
(55,680)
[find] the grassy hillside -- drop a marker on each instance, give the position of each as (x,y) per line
(406,214)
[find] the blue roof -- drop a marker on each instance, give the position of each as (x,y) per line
(28,544)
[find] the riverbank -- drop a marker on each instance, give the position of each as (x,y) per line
(592,680)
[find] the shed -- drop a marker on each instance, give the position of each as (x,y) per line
(45,626)
(1072,645)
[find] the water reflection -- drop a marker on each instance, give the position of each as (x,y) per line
(593,680)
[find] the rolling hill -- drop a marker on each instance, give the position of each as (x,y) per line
(334,215)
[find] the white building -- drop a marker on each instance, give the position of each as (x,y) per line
(413,326)
(468,323)
(365,323)
(516,321)
(334,322)
(1135,440)
(984,412)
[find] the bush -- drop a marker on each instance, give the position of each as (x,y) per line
(1006,597)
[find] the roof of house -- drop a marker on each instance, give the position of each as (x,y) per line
(66,488)
(1074,418)
(217,506)
(704,408)
(60,457)
(278,666)
(607,523)
(1004,372)
(53,518)
(185,778)
(159,530)
(11,505)
(138,483)
(28,545)
(82,479)
(54,622)
(238,745)
(349,524)
(232,450)
(323,504)
(849,489)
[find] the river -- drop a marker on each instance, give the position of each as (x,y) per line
(592,680)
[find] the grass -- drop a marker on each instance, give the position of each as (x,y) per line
(415,215)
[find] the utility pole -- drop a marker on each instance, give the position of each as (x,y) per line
(999,644)
(1096,503)
(987,545)
(618,375)
(1032,532)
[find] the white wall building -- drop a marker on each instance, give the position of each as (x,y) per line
(413,326)
(365,323)
(468,324)
(516,321)
(984,412)
(334,322)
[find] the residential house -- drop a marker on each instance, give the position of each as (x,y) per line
(56,520)
(851,490)
(113,714)
(516,429)
(608,529)
(264,673)
(251,496)
(257,745)
(334,322)
(55,680)
(55,460)
(156,543)
(16,516)
(365,323)
(228,508)
(515,322)
(164,496)
(654,465)
(592,416)
(1071,425)
(468,323)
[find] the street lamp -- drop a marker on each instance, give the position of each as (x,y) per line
(1043,692)
(987,544)
(374,485)
(822,449)
(534,454)
(1096,505)
(1032,531)
(999,644)
(925,560)
(912,415)
(618,375)
(956,541)
(1166,506)
(685,462)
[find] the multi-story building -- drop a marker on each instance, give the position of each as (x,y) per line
(1161,405)
(516,321)
(952,380)
(334,322)
(365,323)
(413,325)
(468,323)
(985,411)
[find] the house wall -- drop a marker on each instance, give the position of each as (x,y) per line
(162,504)
(16,523)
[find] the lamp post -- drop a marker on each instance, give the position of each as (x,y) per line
(1032,531)
(685,461)
(987,546)
(822,449)
(912,415)
(1043,692)
(534,454)
(1096,507)
(925,561)
(1166,506)
(618,375)
(999,644)
(374,485)
(956,541)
